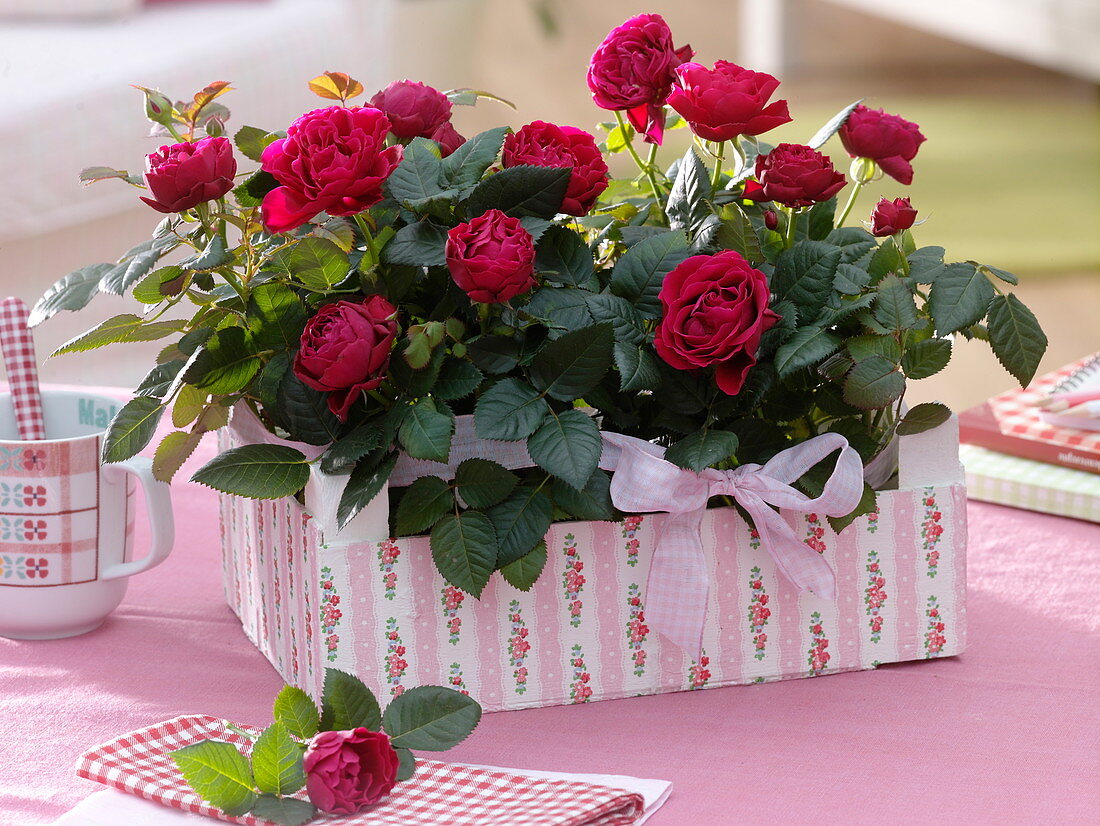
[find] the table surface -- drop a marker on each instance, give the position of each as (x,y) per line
(1008,732)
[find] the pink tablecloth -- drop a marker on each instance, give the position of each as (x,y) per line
(1007,733)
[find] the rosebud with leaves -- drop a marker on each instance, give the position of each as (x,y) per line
(891,217)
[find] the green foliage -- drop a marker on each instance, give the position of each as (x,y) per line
(132,428)
(1016,337)
(523,572)
(427,430)
(923,417)
(568,445)
(702,449)
(119,329)
(225,364)
(256,471)
(482,483)
(277,761)
(510,410)
(521,191)
(219,773)
(571,365)
(520,521)
(316,263)
(640,272)
(296,711)
(425,502)
(430,718)
(347,703)
(464,547)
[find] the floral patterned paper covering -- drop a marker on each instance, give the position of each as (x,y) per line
(380,609)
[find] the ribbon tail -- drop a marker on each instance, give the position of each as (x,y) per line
(678,586)
(801,564)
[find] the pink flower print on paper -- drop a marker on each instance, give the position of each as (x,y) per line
(874,595)
(37,567)
(573,580)
(698,673)
(330,614)
(450,598)
(758,612)
(630,529)
(636,629)
(931,530)
(388,552)
(34,459)
(455,679)
(817,656)
(872,520)
(580,690)
(519,644)
(815,537)
(934,638)
(396,664)
(754,538)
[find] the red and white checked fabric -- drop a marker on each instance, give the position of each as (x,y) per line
(1018,416)
(440,793)
(17,343)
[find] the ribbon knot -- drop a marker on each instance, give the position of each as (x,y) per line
(678,587)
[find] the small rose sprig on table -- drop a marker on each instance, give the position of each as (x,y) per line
(347,756)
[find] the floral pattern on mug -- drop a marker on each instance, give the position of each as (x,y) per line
(580,690)
(573,580)
(451,600)
(330,614)
(631,524)
(636,629)
(388,552)
(817,656)
(18,529)
(699,674)
(22,496)
(518,646)
(934,638)
(874,596)
(24,567)
(396,664)
(931,530)
(759,612)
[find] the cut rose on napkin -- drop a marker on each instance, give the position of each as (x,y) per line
(140,763)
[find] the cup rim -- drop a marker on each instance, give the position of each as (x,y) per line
(47,392)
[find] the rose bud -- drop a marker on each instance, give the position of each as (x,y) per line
(632,71)
(184,175)
(771,220)
(889,140)
(332,160)
(345,350)
(447,137)
(891,217)
(544,144)
(346,771)
(714,311)
(797,176)
(726,101)
(491,257)
(414,109)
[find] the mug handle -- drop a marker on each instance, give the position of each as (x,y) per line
(158,505)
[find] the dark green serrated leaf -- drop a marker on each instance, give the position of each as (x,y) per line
(464,167)
(277,761)
(317,263)
(120,329)
(251,193)
(158,380)
(637,366)
(135,265)
(926,358)
(804,275)
(628,324)
(564,258)
(430,718)
(256,471)
(426,431)
(275,317)
(225,364)
(820,219)
(132,428)
(1017,340)
(895,308)
(252,141)
(923,417)
(464,547)
(510,410)
(997,272)
(422,244)
(424,503)
(304,412)
(345,452)
(873,383)
(863,347)
(406,765)
(592,503)
(959,297)
(482,483)
(520,521)
(850,279)
(638,275)
(804,349)
(702,449)
(687,206)
(867,504)
(418,179)
(286,811)
(73,292)
(347,703)
(735,232)
(887,259)
(567,367)
(494,354)
(561,308)
(567,445)
(159,284)
(520,191)
(363,485)
(832,126)
(219,773)
(525,571)
(295,710)
(457,379)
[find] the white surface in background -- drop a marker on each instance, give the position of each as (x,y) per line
(67,8)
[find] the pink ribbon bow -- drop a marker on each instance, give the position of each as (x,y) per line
(678,587)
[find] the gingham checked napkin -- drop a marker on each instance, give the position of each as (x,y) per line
(440,793)
(17,344)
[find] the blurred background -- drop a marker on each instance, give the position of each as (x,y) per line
(1006,91)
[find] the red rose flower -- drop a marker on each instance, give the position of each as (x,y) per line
(491,257)
(715,309)
(889,140)
(332,160)
(184,175)
(891,217)
(347,771)
(447,137)
(414,109)
(632,71)
(726,101)
(795,176)
(346,349)
(544,144)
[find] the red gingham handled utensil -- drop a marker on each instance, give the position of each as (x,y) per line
(17,344)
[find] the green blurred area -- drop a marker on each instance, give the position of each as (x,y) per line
(1013,182)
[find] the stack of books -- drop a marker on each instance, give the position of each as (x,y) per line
(1039,448)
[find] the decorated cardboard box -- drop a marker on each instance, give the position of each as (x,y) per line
(310,598)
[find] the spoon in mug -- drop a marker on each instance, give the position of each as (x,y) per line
(17,344)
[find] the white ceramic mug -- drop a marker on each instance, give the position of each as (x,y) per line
(67,520)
